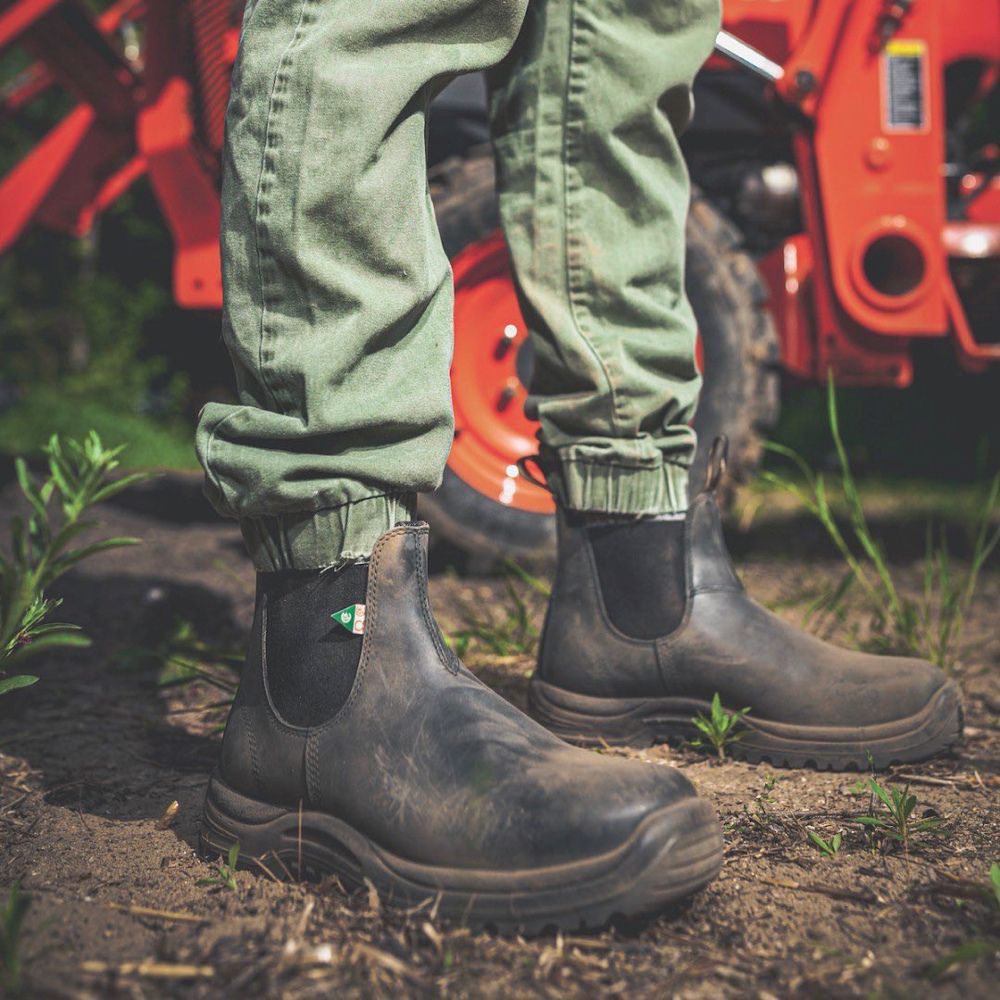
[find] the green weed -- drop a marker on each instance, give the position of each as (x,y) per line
(506,629)
(226,872)
(12,915)
(896,822)
(182,659)
(760,816)
(931,626)
(831,847)
(976,949)
(719,727)
(41,547)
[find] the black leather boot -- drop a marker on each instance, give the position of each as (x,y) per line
(432,786)
(811,703)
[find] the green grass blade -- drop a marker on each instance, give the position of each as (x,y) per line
(13,683)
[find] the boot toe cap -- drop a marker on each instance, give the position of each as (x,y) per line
(596,803)
(870,690)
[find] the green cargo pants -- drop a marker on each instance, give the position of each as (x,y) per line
(338,294)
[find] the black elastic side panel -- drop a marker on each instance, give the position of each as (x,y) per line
(640,569)
(311,660)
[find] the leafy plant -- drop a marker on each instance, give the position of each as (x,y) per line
(506,630)
(11,925)
(757,815)
(719,727)
(975,949)
(831,847)
(182,659)
(931,626)
(897,822)
(41,547)
(226,876)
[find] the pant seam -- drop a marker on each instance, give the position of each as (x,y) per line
(577,285)
(209,473)
(262,203)
(604,464)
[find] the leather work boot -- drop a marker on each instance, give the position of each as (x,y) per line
(430,785)
(606,676)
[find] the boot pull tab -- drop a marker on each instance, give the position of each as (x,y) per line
(536,460)
(718,462)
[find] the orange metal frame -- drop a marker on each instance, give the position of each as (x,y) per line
(868,184)
(870,188)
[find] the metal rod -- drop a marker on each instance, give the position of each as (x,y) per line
(746,55)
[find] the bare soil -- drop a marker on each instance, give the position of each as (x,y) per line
(93,755)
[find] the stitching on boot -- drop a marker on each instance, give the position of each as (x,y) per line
(371,627)
(254,763)
(312,767)
(425,607)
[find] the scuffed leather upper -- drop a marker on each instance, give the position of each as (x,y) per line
(726,643)
(427,761)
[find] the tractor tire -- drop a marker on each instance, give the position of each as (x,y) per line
(741,391)
(739,398)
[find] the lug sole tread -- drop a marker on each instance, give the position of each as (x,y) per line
(668,858)
(592,722)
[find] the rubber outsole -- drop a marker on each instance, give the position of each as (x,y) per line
(641,722)
(672,853)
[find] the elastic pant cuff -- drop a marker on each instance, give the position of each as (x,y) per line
(325,539)
(609,488)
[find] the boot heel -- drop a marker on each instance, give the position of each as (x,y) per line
(260,830)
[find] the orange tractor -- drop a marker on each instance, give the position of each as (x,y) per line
(847,205)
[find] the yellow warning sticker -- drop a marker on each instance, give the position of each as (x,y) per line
(906,47)
(904,85)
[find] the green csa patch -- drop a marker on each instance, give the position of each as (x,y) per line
(352,618)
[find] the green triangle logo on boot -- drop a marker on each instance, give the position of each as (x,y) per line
(352,618)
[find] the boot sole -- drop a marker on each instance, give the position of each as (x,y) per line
(673,853)
(641,722)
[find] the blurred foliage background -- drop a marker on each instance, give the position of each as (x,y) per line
(90,338)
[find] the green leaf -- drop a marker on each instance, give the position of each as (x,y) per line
(703,725)
(106,492)
(871,821)
(62,475)
(13,683)
(28,487)
(68,532)
(963,953)
(995,881)
(819,842)
(69,560)
(881,793)
(718,716)
(51,640)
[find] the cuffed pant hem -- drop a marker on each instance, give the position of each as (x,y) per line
(325,539)
(604,487)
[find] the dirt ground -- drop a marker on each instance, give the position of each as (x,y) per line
(93,755)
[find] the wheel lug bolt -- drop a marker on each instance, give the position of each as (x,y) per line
(507,338)
(506,395)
